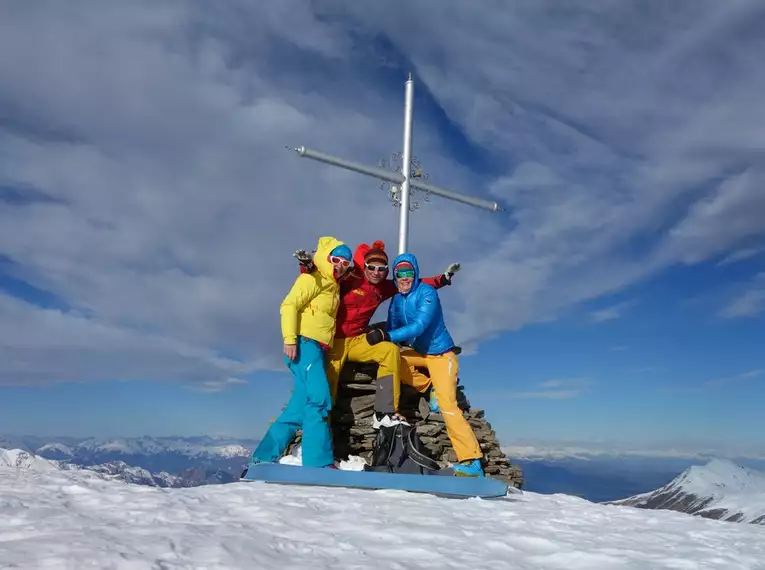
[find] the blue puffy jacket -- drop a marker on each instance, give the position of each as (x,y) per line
(417,317)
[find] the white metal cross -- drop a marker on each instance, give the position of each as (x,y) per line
(404,179)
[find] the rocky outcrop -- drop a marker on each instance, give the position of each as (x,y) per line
(353,433)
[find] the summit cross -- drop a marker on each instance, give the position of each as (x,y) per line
(407,183)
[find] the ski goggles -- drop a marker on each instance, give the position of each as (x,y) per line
(373,267)
(335,260)
(406,273)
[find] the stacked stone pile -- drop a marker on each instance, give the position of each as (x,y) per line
(353,433)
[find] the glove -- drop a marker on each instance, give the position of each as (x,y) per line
(450,271)
(302,256)
(305,260)
(376,336)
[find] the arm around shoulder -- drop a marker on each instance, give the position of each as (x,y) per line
(427,304)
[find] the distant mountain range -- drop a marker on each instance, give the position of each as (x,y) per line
(118,470)
(718,490)
(201,458)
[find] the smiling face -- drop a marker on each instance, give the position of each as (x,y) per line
(340,264)
(404,278)
(375,272)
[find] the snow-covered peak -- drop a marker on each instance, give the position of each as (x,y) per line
(721,477)
(58,448)
(21,459)
(147,445)
(229,451)
(719,489)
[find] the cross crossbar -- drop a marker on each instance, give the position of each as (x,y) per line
(403,179)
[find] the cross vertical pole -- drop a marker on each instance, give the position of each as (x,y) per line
(406,168)
(402,182)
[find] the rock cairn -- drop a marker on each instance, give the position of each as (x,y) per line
(353,434)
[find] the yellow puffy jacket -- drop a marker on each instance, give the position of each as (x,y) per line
(310,308)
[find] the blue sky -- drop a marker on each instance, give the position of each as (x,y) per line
(148,216)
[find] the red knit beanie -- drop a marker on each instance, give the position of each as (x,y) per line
(377,253)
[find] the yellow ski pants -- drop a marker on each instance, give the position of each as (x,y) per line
(443,370)
(357,349)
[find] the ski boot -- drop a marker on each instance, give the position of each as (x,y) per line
(468,468)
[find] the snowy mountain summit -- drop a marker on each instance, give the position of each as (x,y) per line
(718,490)
(24,460)
(77,518)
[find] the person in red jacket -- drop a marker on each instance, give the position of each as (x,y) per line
(362,290)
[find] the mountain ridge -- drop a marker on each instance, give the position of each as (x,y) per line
(118,470)
(720,490)
(175,455)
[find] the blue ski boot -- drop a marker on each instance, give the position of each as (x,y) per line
(468,468)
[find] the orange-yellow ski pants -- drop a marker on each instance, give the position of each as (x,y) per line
(443,370)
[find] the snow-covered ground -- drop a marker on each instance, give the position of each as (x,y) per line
(76,520)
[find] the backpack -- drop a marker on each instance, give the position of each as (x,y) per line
(398,449)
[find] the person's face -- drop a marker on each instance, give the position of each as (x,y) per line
(340,264)
(375,272)
(404,280)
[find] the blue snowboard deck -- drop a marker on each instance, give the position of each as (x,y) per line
(444,486)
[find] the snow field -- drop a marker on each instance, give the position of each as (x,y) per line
(75,520)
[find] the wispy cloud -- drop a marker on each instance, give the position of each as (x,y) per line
(172,188)
(735,378)
(218,386)
(749,303)
(554,390)
(546,395)
(611,313)
(741,255)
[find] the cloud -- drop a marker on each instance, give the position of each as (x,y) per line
(546,395)
(749,303)
(589,450)
(152,194)
(611,313)
(212,386)
(741,255)
(564,389)
(736,378)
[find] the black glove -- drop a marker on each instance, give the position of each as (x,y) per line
(376,336)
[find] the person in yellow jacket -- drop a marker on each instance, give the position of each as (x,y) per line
(308,326)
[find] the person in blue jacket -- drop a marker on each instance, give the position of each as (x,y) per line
(415,317)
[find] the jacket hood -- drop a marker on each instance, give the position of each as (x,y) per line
(358,256)
(411,259)
(321,257)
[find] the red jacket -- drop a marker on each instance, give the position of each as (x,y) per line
(359,299)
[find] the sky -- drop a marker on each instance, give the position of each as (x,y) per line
(149,208)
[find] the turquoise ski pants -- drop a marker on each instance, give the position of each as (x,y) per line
(309,408)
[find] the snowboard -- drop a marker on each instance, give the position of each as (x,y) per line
(443,486)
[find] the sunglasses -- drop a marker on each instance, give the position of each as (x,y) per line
(339,261)
(373,267)
(405,273)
